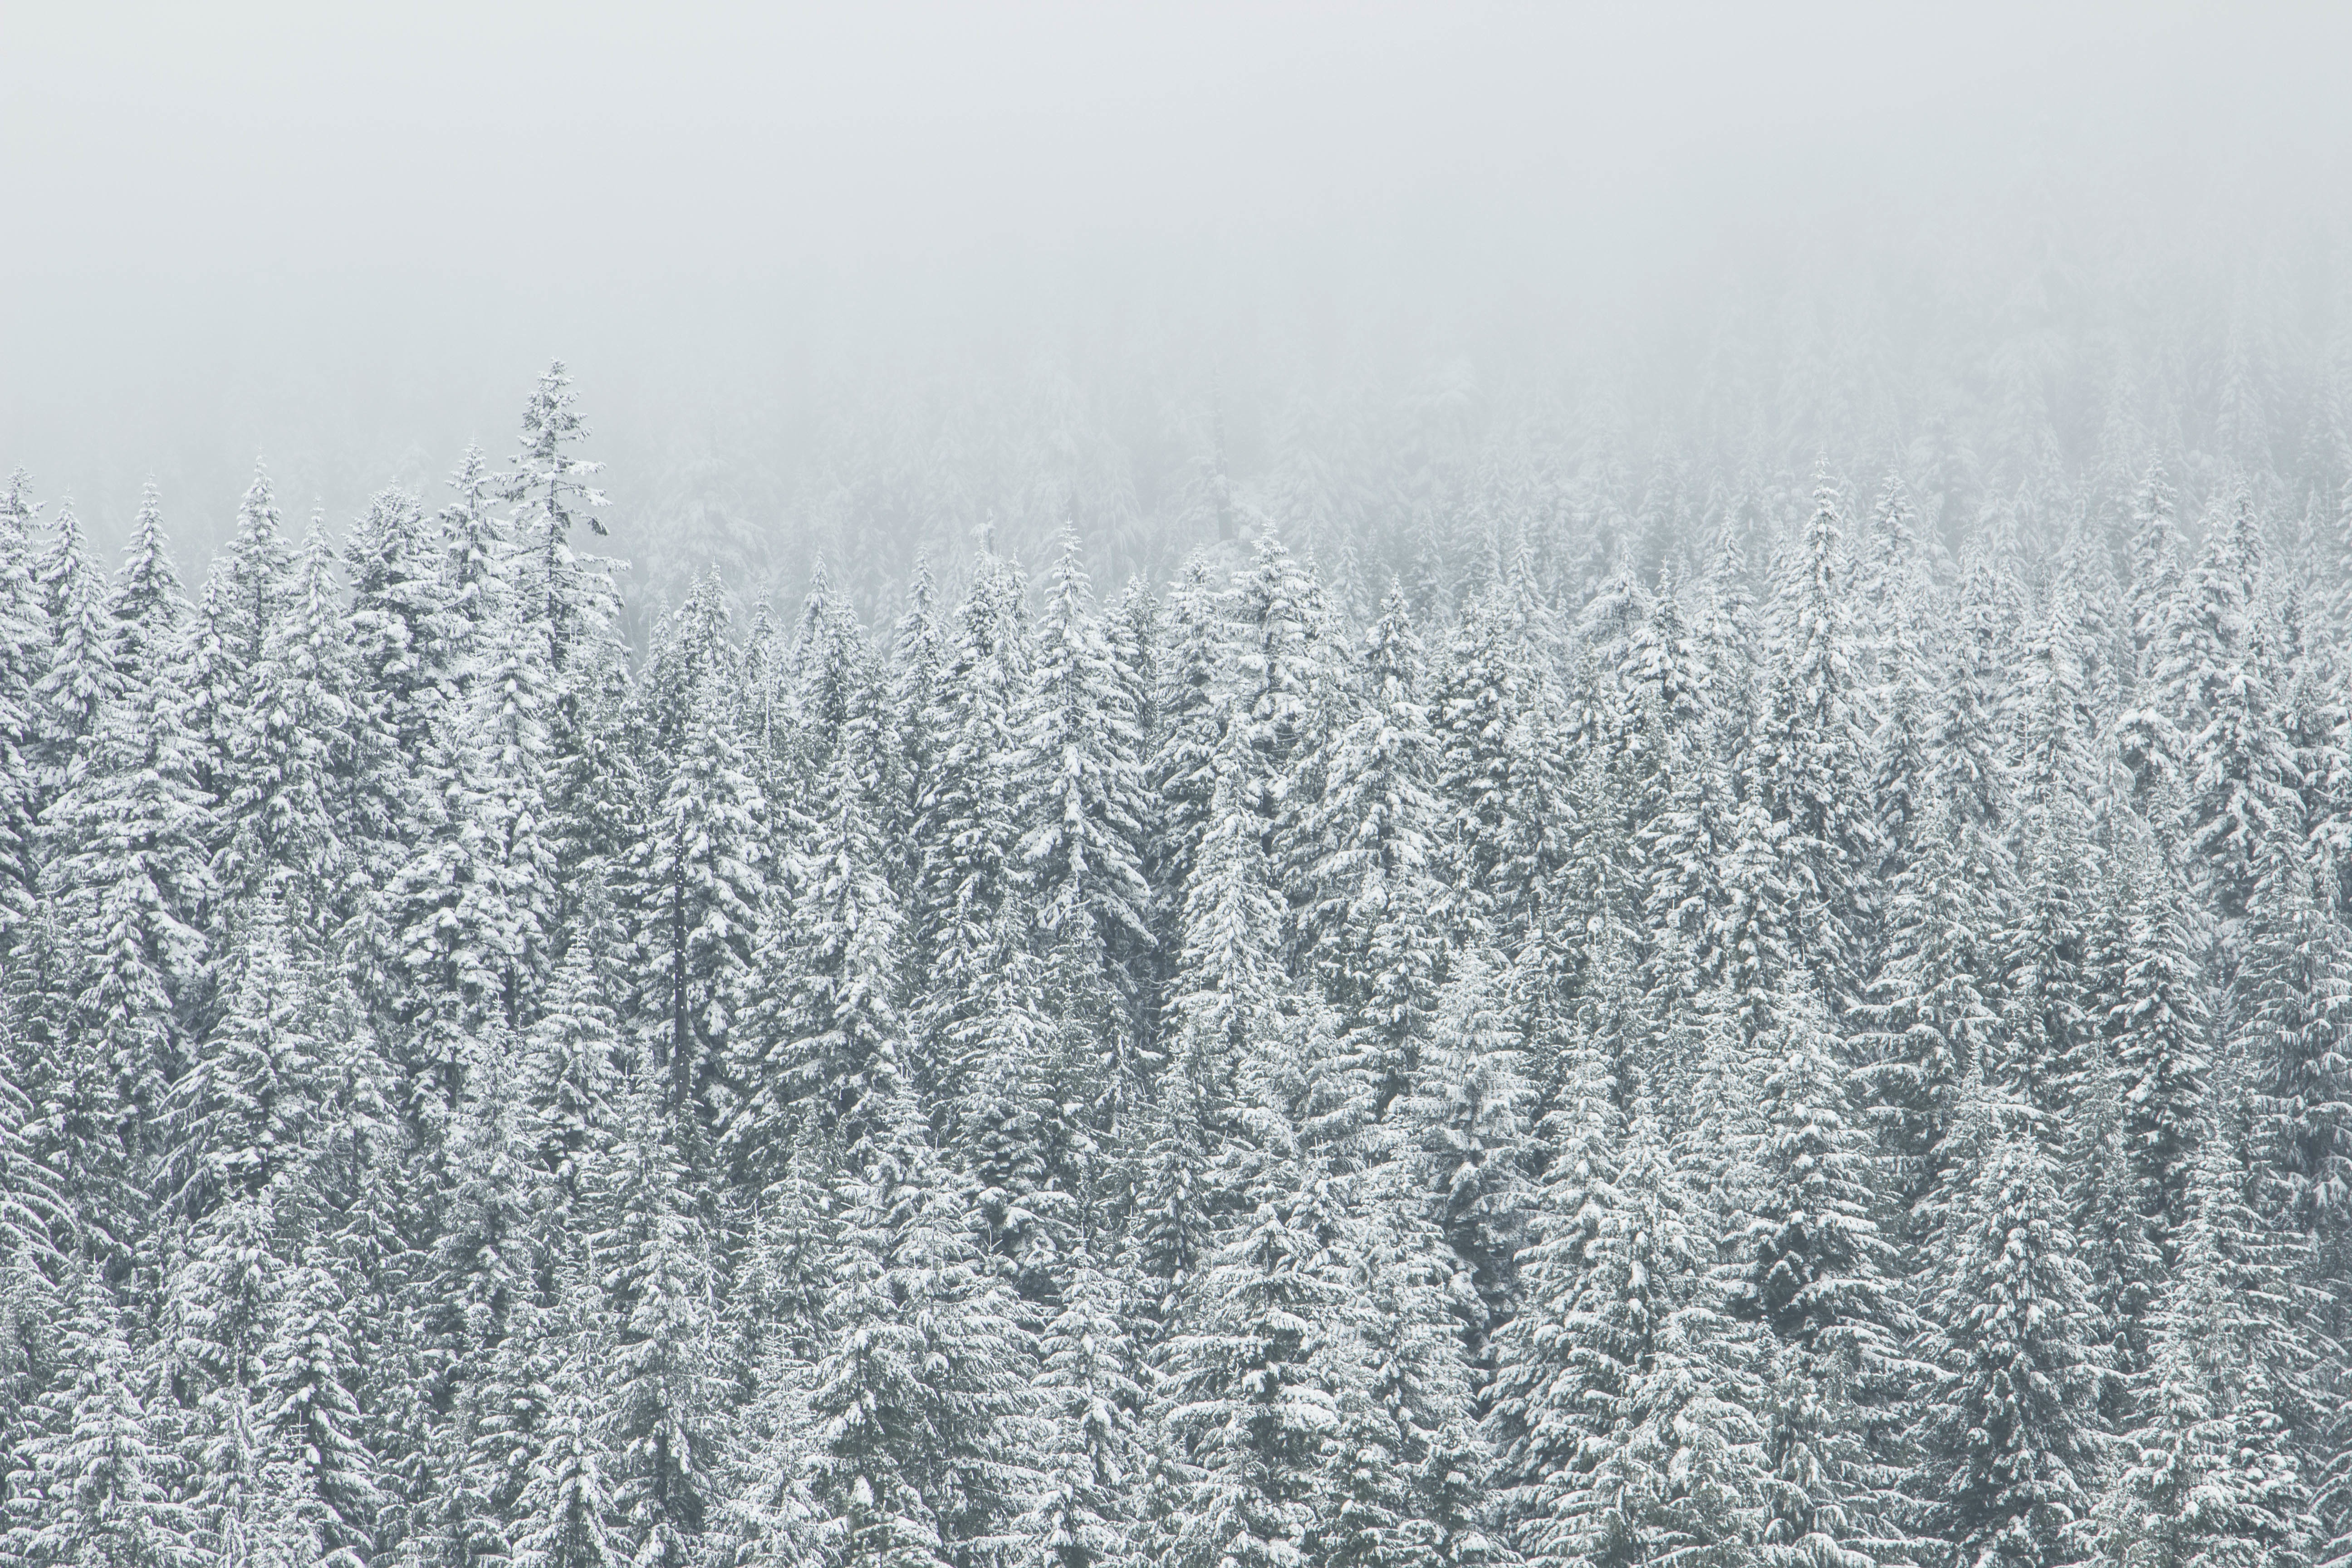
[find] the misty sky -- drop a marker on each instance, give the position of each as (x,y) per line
(346,238)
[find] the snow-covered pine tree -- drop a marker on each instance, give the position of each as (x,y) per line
(97,1484)
(25,636)
(77,679)
(697,883)
(1810,760)
(1496,772)
(1465,1124)
(966,835)
(243,596)
(243,1114)
(2010,1432)
(325,1475)
(290,812)
(1079,776)
(2294,1017)
(921,1395)
(1242,1398)
(2211,1471)
(1191,707)
(2240,785)
(1930,1023)
(1085,1512)
(822,1048)
(402,646)
(1378,826)
(1638,1438)
(570,1083)
(2157,1024)
(564,1516)
(653,1263)
(1228,965)
(1811,1265)
(128,844)
(549,489)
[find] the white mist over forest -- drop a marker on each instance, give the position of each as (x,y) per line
(849,284)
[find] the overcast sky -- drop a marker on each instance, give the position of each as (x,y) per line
(339,232)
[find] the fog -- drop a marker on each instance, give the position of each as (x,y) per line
(345,242)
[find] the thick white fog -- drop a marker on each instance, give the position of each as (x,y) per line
(801,254)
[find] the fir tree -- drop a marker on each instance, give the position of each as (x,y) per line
(2014,1445)
(100,1468)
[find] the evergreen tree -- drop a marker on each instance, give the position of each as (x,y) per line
(2210,1472)
(2295,987)
(1377,831)
(99,1490)
(129,845)
(698,882)
(317,1433)
(1085,1512)
(653,1261)
(1081,788)
(2013,1441)
(920,1394)
(1810,756)
(1638,1438)
(77,677)
(823,1046)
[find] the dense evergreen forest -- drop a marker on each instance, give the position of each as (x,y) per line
(1794,1018)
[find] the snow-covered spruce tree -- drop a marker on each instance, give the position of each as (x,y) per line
(244,594)
(290,812)
(548,488)
(2239,781)
(402,646)
(321,1467)
(1809,763)
(1811,1265)
(919,655)
(1627,1405)
(128,844)
(1929,1022)
(565,1515)
(2157,1024)
(2211,1471)
(242,1115)
(1228,965)
(1079,776)
(24,638)
(76,678)
(1242,1399)
(2011,1433)
(1498,775)
(967,834)
(481,1284)
(1083,1513)
(695,884)
(1377,828)
(570,1083)
(1465,1123)
(1192,709)
(822,1048)
(471,541)
(476,905)
(921,1395)
(96,1486)
(2294,1006)
(653,1262)
(36,1221)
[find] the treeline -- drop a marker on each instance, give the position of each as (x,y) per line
(1836,1059)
